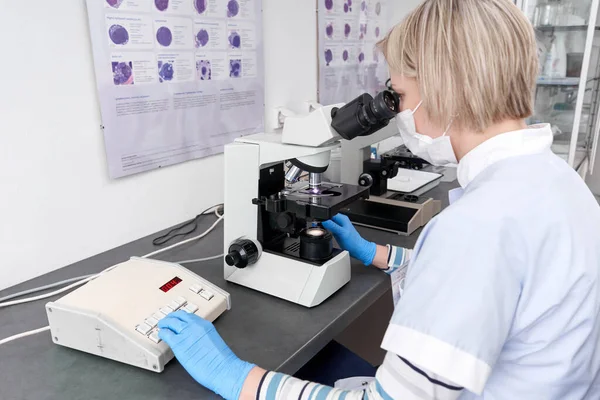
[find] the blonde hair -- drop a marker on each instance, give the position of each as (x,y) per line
(475,61)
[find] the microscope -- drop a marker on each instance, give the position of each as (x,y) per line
(274,242)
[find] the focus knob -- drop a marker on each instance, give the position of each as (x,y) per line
(365,180)
(284,221)
(243,252)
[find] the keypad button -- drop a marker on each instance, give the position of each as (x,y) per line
(196,288)
(191,308)
(143,328)
(206,294)
(158,315)
(151,321)
(174,305)
(154,337)
(181,301)
(166,310)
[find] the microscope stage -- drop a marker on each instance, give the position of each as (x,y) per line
(326,203)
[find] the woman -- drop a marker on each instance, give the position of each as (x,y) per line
(502,295)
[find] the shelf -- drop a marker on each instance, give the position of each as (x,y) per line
(548,81)
(567,28)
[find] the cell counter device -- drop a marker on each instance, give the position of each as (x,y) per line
(116,315)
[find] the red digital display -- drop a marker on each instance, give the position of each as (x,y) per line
(171,284)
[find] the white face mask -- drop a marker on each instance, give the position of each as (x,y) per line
(436,151)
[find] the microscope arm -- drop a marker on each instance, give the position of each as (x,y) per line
(355,152)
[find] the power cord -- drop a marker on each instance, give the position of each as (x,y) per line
(209,230)
(192,224)
(59,291)
(42,288)
(197,260)
(87,278)
(24,334)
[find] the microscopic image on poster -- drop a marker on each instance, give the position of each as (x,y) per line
(122,73)
(166,70)
(235,68)
(204,70)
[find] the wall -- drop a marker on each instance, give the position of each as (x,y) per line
(57,205)
(291,65)
(402,8)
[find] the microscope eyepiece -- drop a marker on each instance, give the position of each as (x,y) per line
(390,101)
(365,115)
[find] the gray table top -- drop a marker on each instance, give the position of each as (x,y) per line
(270,332)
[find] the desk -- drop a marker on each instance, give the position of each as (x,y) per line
(272,333)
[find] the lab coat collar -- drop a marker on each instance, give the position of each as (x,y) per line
(533,140)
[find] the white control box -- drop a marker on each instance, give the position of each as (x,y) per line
(116,315)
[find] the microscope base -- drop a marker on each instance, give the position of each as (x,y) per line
(293,280)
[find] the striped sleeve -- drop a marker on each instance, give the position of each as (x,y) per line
(277,386)
(397,378)
(397,258)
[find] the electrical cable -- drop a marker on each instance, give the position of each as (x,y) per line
(42,288)
(193,224)
(220,216)
(199,259)
(154,253)
(24,334)
(59,291)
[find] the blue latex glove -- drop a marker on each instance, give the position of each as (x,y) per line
(349,239)
(204,355)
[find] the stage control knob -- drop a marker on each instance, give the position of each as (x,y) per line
(243,252)
(365,180)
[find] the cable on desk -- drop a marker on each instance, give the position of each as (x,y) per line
(176,232)
(42,288)
(209,230)
(87,278)
(24,334)
(199,259)
(59,291)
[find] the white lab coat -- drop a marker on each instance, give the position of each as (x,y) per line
(502,293)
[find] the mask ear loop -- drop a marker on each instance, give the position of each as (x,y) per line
(450,124)
(448,127)
(417,107)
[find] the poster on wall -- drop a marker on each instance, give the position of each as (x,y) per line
(177,79)
(349,62)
